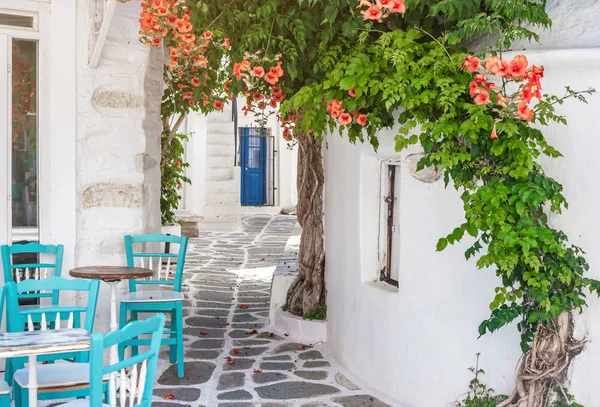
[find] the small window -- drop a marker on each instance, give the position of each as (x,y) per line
(389,225)
(14,20)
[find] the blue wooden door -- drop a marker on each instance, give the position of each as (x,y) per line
(253,166)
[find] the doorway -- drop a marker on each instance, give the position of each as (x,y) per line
(19,134)
(256,162)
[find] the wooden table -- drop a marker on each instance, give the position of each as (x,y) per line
(34,343)
(112,275)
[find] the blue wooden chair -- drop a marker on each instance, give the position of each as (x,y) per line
(36,269)
(167,300)
(32,270)
(133,383)
(4,387)
(55,380)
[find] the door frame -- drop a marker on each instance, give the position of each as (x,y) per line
(265,156)
(40,11)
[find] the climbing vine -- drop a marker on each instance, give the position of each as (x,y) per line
(387,63)
(475,120)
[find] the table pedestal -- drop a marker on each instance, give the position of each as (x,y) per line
(33,384)
(114,351)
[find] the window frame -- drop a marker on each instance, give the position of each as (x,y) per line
(389,215)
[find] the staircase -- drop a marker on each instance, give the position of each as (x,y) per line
(222,205)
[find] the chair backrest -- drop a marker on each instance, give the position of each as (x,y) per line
(55,316)
(165,273)
(35,269)
(135,384)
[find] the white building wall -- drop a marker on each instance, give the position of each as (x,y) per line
(99,135)
(417,343)
(118,142)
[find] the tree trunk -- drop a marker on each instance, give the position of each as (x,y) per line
(546,364)
(307,292)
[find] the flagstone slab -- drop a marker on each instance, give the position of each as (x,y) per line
(179,393)
(362,400)
(212,312)
(269,335)
(210,322)
(205,332)
(195,373)
(239,364)
(202,354)
(280,357)
(233,404)
(268,377)
(244,318)
(249,326)
(214,296)
(294,390)
(316,363)
(249,310)
(277,366)
(311,374)
(288,347)
(253,300)
(208,304)
(208,344)
(344,382)
(312,354)
(249,342)
(238,333)
(229,381)
(248,352)
(235,395)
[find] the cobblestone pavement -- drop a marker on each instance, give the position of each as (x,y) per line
(232,359)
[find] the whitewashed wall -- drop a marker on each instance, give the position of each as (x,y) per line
(118,142)
(416,344)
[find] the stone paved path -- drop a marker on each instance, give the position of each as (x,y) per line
(232,359)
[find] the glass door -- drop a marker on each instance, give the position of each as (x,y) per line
(19,139)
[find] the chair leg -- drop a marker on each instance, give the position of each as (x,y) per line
(173,348)
(134,348)
(178,324)
(8,373)
(122,323)
(5,400)
(23,395)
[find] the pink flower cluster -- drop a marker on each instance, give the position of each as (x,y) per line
(380,9)
(343,117)
(515,104)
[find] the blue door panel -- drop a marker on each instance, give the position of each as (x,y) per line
(253,151)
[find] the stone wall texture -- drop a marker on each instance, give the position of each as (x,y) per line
(118,143)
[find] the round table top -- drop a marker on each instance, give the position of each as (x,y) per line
(110,273)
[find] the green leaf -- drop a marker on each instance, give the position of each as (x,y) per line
(441,244)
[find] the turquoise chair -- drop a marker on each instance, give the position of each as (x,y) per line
(4,387)
(168,300)
(55,380)
(127,369)
(37,270)
(34,270)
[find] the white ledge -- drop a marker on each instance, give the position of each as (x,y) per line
(298,328)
